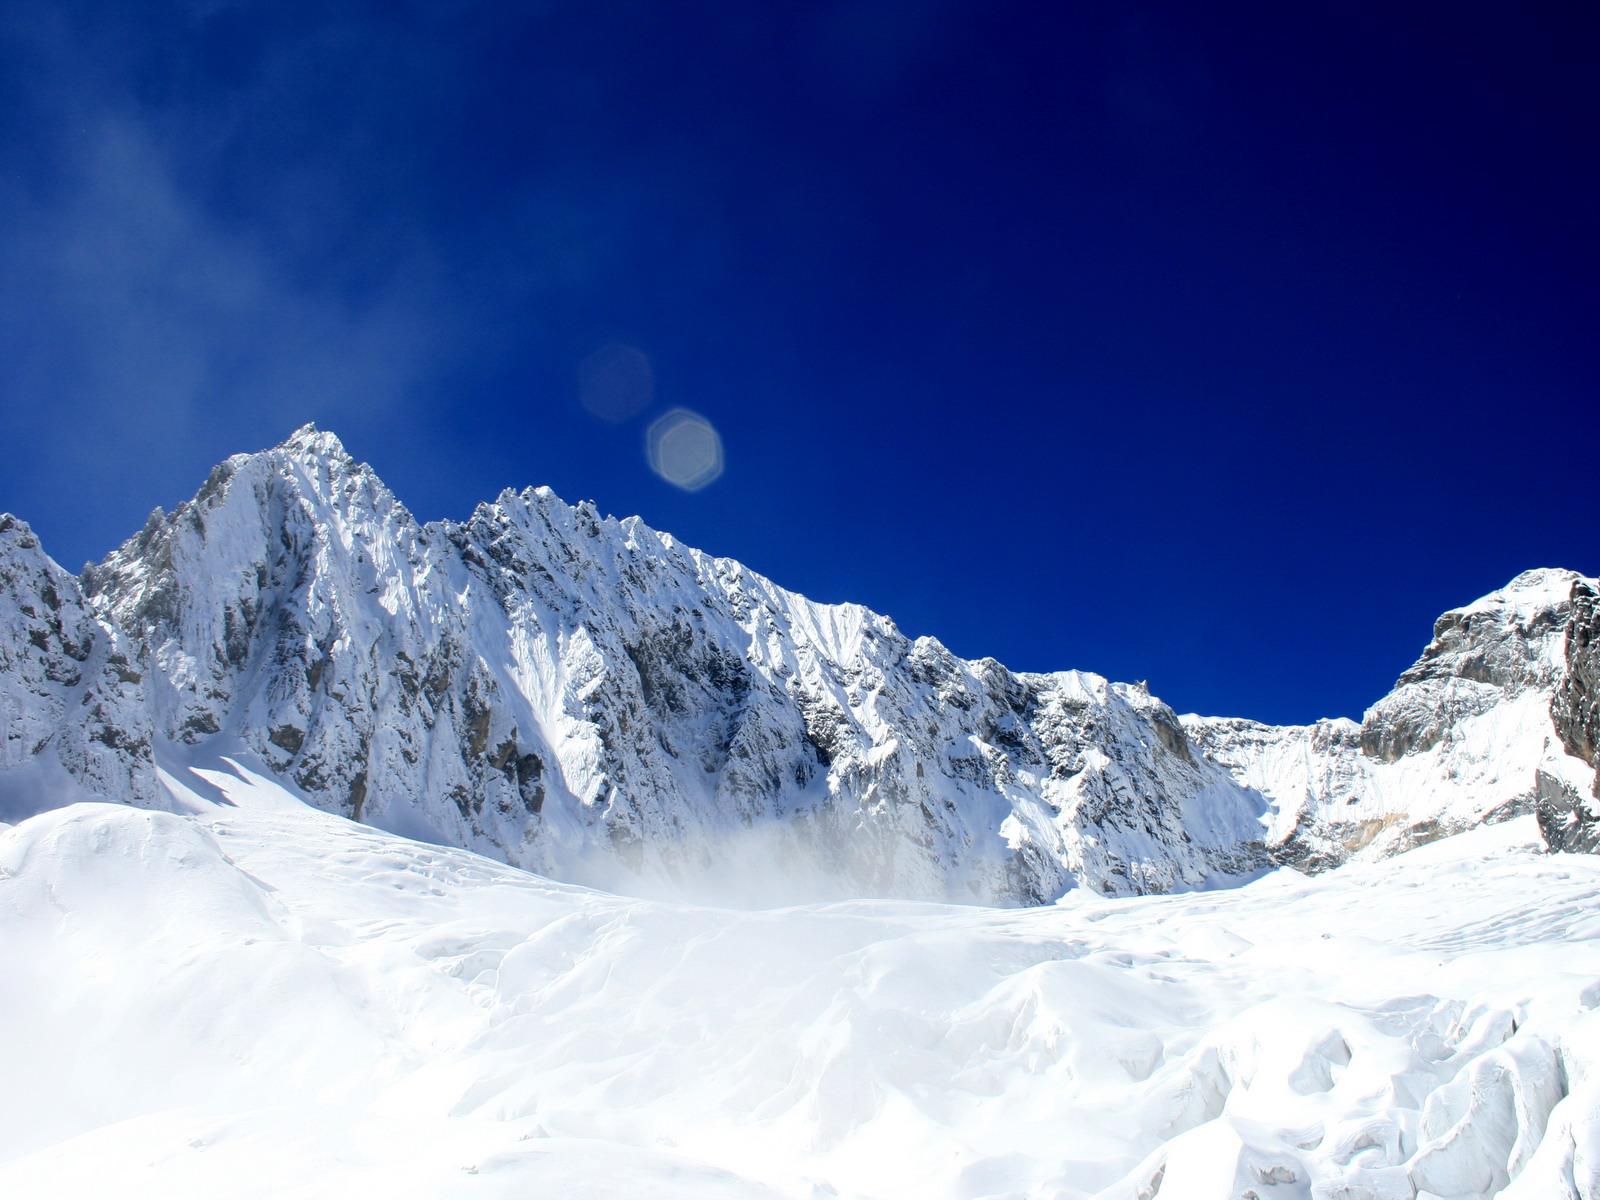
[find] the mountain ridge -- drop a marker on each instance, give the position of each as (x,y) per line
(589,698)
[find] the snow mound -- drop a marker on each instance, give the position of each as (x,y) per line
(261,999)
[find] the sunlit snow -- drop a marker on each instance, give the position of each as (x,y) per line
(260,999)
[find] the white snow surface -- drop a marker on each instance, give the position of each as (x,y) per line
(247,996)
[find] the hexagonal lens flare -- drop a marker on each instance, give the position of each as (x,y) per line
(684,449)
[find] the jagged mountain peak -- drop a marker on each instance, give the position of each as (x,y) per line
(576,693)
(310,469)
(1511,637)
(1541,596)
(311,460)
(624,546)
(1470,733)
(310,440)
(17,532)
(589,697)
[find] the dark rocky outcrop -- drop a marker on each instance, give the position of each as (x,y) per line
(1569,818)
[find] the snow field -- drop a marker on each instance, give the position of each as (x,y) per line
(259,999)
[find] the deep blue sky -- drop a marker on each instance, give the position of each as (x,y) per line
(1219,347)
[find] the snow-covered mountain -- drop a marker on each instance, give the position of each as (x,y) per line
(590,699)
(1490,722)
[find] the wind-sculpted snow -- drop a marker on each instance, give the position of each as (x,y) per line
(260,999)
(590,699)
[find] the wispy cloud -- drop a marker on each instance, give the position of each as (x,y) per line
(149,294)
(154,307)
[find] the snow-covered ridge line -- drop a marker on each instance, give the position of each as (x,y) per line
(589,698)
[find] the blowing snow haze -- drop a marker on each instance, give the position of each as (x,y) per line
(378,816)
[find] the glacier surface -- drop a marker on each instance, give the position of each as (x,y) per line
(250,997)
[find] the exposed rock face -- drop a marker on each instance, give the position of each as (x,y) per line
(1481,656)
(1466,736)
(589,698)
(1577,703)
(1569,815)
(1568,819)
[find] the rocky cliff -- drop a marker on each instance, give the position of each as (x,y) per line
(1569,813)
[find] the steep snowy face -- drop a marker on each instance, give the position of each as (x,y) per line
(294,608)
(686,693)
(1303,772)
(589,698)
(71,706)
(1466,736)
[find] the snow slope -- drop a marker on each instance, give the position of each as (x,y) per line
(250,997)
